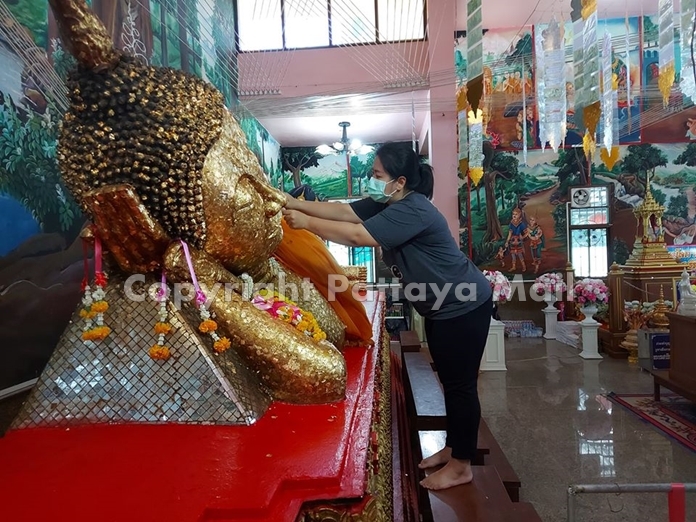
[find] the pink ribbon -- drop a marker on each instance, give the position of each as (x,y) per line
(162,292)
(200,296)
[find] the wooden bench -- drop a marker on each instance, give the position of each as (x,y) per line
(483,500)
(426,407)
(410,342)
(497,458)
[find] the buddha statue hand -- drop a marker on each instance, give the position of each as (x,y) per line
(292,365)
(126,229)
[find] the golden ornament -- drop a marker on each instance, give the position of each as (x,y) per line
(588,7)
(665,82)
(476,173)
(588,145)
(609,158)
(462,102)
(591,115)
(463,167)
(475,117)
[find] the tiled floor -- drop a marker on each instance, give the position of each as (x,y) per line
(548,414)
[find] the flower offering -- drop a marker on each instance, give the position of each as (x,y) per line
(502,289)
(591,292)
(282,308)
(549,284)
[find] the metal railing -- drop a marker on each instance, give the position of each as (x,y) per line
(676,494)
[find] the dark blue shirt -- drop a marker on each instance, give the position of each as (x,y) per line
(438,279)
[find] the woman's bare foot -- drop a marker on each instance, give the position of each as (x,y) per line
(437,459)
(454,473)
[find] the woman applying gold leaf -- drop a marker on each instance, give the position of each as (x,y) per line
(441,283)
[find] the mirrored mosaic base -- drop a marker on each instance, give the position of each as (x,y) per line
(116,381)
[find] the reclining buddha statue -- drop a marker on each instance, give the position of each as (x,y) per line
(163,171)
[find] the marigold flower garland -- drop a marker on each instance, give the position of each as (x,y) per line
(159,351)
(94,301)
(282,308)
(208,324)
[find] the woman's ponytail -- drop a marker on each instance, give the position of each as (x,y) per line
(427,181)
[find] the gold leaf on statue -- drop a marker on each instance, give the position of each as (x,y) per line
(591,115)
(609,158)
(615,82)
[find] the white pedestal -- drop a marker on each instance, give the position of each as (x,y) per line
(590,343)
(494,354)
(551,320)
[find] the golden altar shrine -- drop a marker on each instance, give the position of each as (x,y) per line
(649,273)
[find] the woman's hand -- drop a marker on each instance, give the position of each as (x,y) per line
(295,219)
(291,203)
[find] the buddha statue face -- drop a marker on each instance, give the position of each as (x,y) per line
(242,211)
(169,135)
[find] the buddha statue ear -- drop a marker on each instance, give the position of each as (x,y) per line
(84,35)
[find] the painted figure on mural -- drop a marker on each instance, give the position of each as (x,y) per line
(684,237)
(536,242)
(517,230)
(690,125)
(500,256)
(529,127)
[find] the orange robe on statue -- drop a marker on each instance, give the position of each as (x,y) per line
(307,256)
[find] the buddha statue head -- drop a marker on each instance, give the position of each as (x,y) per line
(169,135)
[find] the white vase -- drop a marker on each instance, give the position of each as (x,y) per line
(550,298)
(588,311)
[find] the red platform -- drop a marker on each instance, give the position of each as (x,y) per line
(170,472)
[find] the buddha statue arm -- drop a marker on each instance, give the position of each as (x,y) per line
(294,367)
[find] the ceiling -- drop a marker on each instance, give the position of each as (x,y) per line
(383,116)
(374,118)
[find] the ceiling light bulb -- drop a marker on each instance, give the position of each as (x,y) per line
(338,145)
(355,145)
(365,149)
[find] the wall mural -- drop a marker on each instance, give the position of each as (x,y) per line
(517,213)
(328,176)
(40,251)
(508,75)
